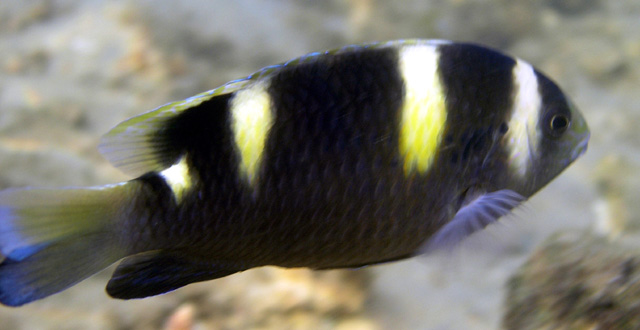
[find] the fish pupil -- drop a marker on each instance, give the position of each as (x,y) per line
(503,128)
(559,123)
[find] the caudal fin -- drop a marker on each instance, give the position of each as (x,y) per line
(52,239)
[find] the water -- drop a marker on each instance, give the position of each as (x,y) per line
(70,70)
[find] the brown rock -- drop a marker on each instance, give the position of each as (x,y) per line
(575,281)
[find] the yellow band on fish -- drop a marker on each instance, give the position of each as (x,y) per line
(178,178)
(252,119)
(423,111)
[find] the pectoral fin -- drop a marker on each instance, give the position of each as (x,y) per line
(477,213)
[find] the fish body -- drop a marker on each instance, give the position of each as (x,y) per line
(345,158)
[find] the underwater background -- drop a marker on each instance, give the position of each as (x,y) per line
(70,70)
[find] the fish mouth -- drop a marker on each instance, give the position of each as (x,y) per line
(581,148)
(579,133)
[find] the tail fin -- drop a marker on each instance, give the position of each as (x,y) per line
(53,239)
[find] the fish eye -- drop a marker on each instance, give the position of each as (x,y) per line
(557,122)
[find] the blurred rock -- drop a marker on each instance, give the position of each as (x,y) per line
(575,281)
(356,324)
(182,318)
(34,61)
(572,7)
(619,187)
(16,16)
(485,21)
(604,61)
(33,165)
(277,298)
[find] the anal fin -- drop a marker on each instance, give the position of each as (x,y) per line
(156,272)
(476,213)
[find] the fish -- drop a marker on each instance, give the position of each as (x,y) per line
(345,158)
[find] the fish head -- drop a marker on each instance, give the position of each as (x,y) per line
(564,136)
(555,135)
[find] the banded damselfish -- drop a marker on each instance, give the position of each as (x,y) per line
(344,158)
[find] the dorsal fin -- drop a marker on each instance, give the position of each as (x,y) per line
(135,147)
